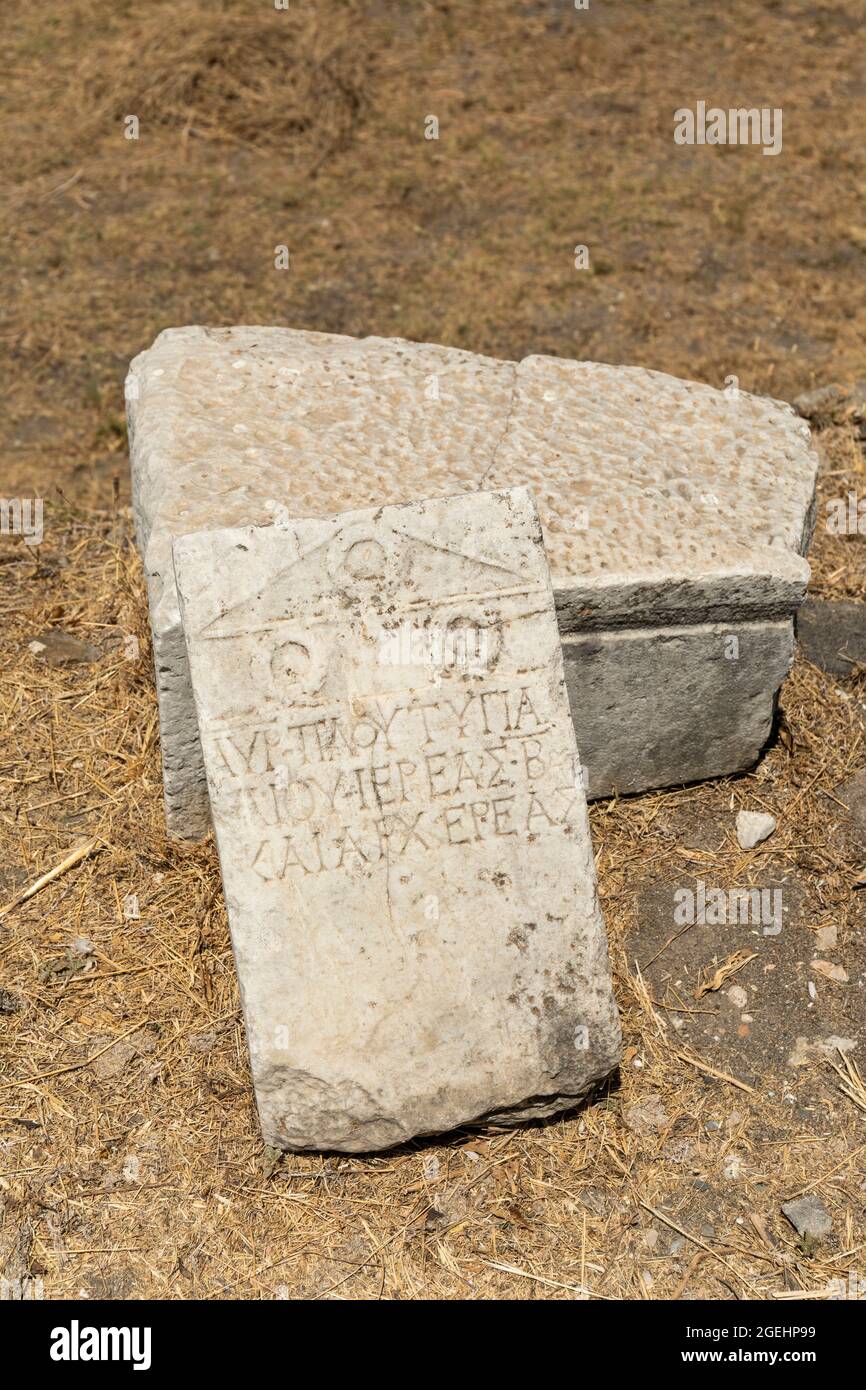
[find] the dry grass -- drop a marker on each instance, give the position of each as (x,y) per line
(133,1164)
(254,75)
(131,1159)
(555,129)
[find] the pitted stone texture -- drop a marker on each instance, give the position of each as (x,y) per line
(662,501)
(225,421)
(404,842)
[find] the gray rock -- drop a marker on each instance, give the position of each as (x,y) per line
(634,700)
(832,633)
(401,825)
(809,1217)
(675,517)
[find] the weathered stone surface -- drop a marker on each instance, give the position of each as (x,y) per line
(665,705)
(402,830)
(661,500)
(664,503)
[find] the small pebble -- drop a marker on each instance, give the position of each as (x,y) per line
(809,1217)
(753,827)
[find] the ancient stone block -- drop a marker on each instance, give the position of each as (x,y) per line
(401,823)
(665,504)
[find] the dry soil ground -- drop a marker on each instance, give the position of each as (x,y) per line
(130,1159)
